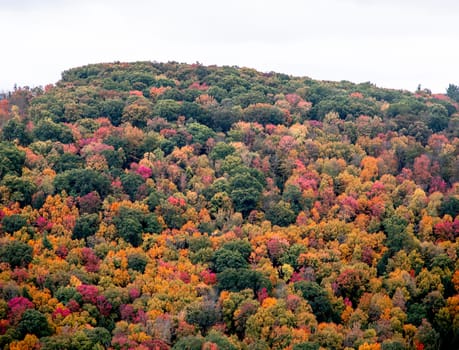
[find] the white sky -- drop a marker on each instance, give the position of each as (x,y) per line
(392,43)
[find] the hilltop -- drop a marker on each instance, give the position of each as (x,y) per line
(164,205)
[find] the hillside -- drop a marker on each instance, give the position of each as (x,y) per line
(164,205)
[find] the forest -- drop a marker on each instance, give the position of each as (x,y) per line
(160,206)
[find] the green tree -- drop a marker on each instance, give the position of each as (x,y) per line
(34,322)
(190,342)
(450,206)
(453,92)
(86,225)
(137,262)
(197,243)
(67,161)
(130,230)
(241,246)
(263,113)
(87,339)
(221,150)
(239,279)
(202,314)
(13,223)
(113,109)
(16,253)
(281,214)
(167,109)
(292,195)
(200,132)
(319,300)
(14,129)
(46,129)
(223,117)
(224,259)
(11,159)
(131,182)
(98,335)
(192,110)
(393,344)
(21,189)
(65,294)
(306,346)
(397,237)
(131,223)
(292,254)
(79,182)
(428,336)
(220,340)
(245,191)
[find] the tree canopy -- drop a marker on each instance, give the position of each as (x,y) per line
(166,206)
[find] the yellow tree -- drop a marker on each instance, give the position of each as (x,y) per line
(369,168)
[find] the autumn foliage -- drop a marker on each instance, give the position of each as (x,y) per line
(164,205)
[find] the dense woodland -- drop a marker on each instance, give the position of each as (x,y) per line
(164,205)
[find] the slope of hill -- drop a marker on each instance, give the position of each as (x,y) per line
(165,205)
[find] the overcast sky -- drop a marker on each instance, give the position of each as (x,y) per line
(392,43)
